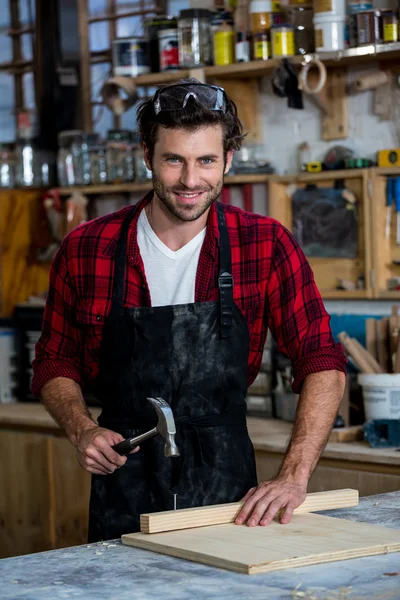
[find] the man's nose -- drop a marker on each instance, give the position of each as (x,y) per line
(189,177)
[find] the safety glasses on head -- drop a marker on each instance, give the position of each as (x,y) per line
(176,96)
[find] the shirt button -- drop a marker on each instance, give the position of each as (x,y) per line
(99,318)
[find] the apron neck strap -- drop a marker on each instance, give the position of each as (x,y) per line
(120,262)
(225,279)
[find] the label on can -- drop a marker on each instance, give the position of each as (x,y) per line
(321,6)
(224,47)
(262,49)
(390,32)
(276,6)
(168,48)
(130,57)
(283,43)
(319,38)
(243,51)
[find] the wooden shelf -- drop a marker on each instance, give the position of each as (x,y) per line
(322,176)
(259,68)
(389,295)
(387,171)
(121,188)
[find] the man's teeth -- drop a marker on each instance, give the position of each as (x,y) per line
(189,195)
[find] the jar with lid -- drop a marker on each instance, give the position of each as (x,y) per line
(153,27)
(80,148)
(28,170)
(143,174)
(224,41)
(261,17)
(98,165)
(282,41)
(7,167)
(194,32)
(65,158)
(390,26)
(119,156)
(301,18)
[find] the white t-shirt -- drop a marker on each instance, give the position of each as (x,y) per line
(171,276)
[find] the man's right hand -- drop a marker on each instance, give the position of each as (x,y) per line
(95,453)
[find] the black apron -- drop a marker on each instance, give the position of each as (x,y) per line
(195,357)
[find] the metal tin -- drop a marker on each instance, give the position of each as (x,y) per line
(130,56)
(261,46)
(369,27)
(282,41)
(152,28)
(169,49)
(390,26)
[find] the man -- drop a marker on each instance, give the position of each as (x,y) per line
(173,298)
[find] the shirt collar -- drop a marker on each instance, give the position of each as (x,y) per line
(211,239)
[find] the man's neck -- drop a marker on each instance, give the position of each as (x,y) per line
(171,231)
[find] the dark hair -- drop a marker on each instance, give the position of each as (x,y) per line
(192,117)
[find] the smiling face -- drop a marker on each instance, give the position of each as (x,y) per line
(188,169)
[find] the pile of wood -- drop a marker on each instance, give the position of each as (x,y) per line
(382,352)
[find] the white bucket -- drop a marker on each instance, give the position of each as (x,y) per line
(329,33)
(330,7)
(381,394)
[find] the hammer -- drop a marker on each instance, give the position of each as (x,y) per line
(165,427)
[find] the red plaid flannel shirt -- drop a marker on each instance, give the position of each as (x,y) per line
(273,287)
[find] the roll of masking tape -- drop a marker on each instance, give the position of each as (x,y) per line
(119,94)
(303,84)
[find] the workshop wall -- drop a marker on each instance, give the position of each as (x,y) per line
(285,129)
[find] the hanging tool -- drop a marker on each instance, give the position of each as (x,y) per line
(396,193)
(389,202)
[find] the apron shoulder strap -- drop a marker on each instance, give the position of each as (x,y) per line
(120,262)
(225,279)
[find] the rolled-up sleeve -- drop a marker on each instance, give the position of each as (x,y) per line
(296,314)
(59,349)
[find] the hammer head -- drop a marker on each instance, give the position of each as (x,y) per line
(166,425)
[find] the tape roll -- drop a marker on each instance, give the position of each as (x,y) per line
(303,85)
(112,90)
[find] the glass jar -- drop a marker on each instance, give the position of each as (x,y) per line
(80,149)
(194,31)
(301,17)
(120,156)
(28,170)
(7,167)
(390,26)
(65,158)
(98,165)
(143,174)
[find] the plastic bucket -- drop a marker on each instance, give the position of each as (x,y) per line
(381,395)
(329,32)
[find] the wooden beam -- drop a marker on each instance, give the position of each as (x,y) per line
(117,16)
(85,81)
(188,518)
(246,95)
(335,124)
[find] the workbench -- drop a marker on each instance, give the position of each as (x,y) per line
(46,504)
(110,570)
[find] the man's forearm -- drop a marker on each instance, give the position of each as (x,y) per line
(63,399)
(316,412)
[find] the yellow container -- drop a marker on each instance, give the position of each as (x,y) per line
(261,46)
(224,46)
(282,41)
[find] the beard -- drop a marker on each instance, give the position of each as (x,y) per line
(168,199)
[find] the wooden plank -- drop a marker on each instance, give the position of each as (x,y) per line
(355,353)
(246,95)
(308,539)
(383,344)
(335,125)
(371,337)
(368,357)
(226,513)
(346,434)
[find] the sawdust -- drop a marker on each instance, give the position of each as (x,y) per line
(341,593)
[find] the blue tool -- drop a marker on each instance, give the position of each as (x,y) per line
(389,202)
(396,194)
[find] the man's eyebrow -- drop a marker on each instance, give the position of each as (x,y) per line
(174,155)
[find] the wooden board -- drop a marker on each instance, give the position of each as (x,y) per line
(202,516)
(346,434)
(308,539)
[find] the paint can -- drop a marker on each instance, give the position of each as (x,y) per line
(130,56)
(369,27)
(390,26)
(282,38)
(169,50)
(329,32)
(261,45)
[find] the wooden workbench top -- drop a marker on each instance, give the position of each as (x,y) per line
(269,435)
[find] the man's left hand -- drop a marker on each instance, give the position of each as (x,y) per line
(262,503)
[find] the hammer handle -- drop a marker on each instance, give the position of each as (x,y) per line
(127,446)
